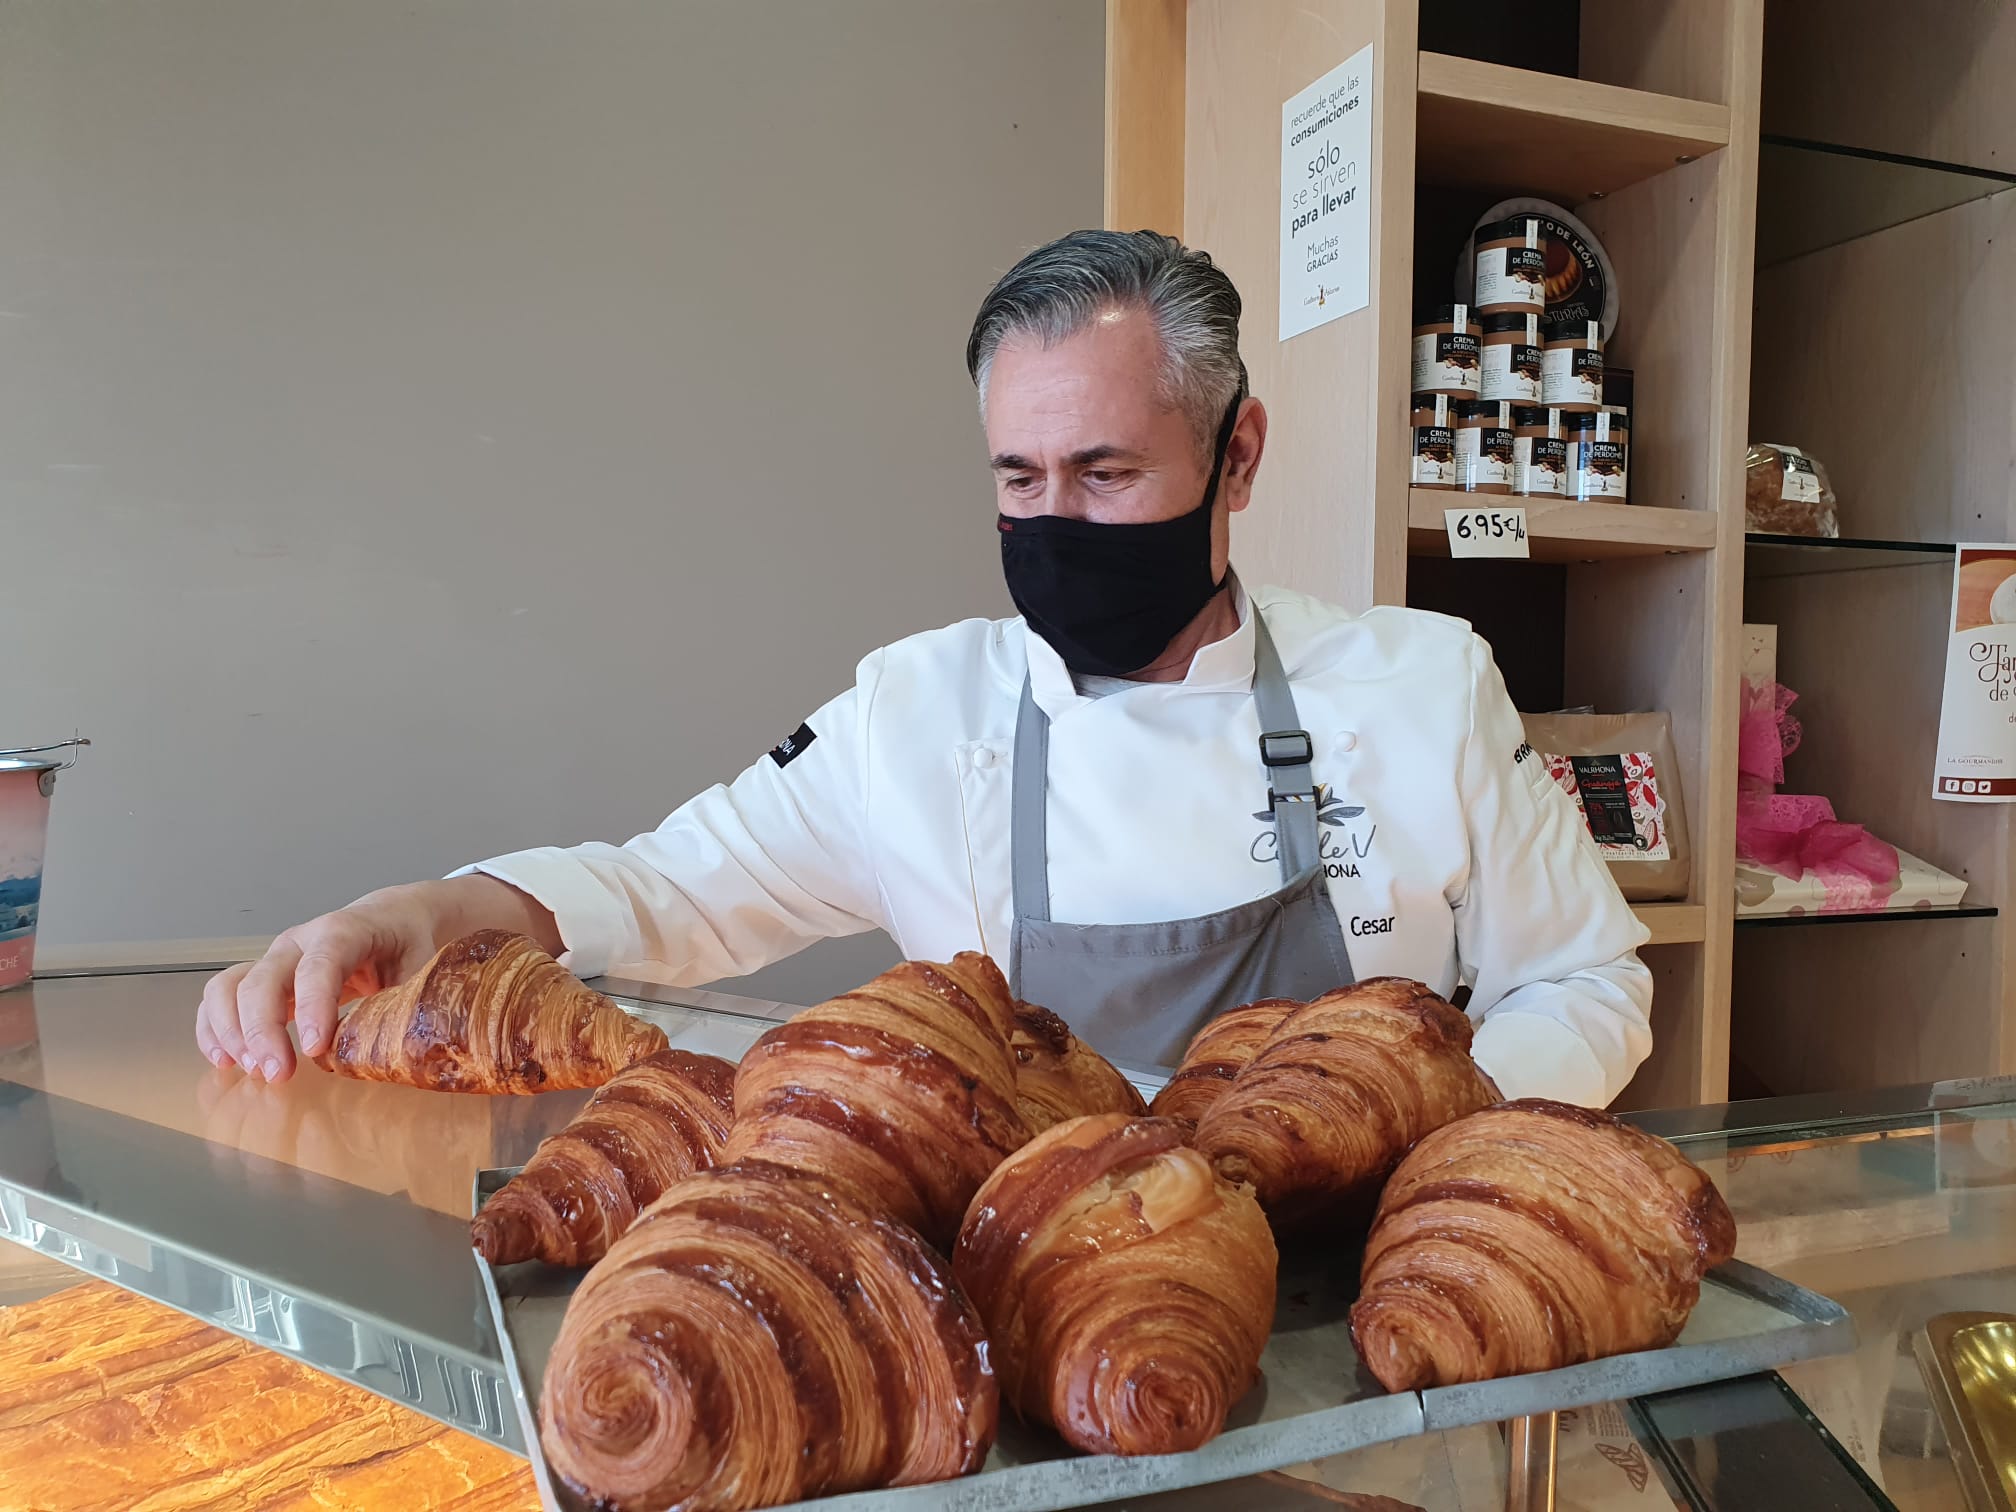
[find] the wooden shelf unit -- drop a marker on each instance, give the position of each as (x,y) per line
(1560,530)
(1673,923)
(1484,126)
(1659,158)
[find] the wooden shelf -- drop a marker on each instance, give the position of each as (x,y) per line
(1563,531)
(1673,923)
(1485,126)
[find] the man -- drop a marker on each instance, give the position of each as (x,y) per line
(1153,796)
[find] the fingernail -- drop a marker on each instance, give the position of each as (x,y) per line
(246,1063)
(311,1044)
(271,1068)
(217,1058)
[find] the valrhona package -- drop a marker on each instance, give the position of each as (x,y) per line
(1621,772)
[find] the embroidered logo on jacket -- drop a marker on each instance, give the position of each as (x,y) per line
(1340,843)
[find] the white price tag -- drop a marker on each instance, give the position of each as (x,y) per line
(1486,532)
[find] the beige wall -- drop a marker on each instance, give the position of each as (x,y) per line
(428,429)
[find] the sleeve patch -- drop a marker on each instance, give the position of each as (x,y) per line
(792,746)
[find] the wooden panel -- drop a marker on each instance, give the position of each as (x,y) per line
(1676,47)
(1841,1007)
(1663,632)
(1561,531)
(1484,125)
(107,1399)
(1144,115)
(1672,923)
(1672,1076)
(1329,512)
(1889,358)
(1927,81)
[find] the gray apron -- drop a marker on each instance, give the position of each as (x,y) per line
(1137,992)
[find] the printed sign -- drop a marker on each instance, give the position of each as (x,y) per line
(1486,532)
(1976,762)
(1326,197)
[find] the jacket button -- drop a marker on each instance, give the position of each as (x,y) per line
(984,758)
(1347,741)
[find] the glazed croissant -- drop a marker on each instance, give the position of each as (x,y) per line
(491,1012)
(903,1091)
(1059,1076)
(758,1337)
(1531,1236)
(1127,1289)
(655,1123)
(1336,1095)
(1216,1054)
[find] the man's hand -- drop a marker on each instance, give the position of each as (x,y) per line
(314,968)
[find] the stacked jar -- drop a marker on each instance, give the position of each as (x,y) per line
(1446,377)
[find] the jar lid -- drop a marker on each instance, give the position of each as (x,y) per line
(1529,414)
(1439,409)
(1490,411)
(1585,420)
(1456,314)
(1590,331)
(1519,228)
(1525,324)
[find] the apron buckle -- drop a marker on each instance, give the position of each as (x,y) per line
(1286,748)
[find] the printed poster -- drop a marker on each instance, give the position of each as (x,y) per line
(1326,197)
(1977,717)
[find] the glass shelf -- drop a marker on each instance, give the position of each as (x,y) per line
(1812,195)
(1771,556)
(1878,916)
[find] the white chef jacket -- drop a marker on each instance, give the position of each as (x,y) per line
(1451,854)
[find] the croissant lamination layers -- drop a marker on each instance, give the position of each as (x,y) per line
(657,1122)
(1127,1289)
(1336,1095)
(1219,1051)
(1059,1076)
(1531,1236)
(903,1091)
(491,1012)
(758,1337)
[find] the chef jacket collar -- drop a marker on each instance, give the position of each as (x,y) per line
(1223,666)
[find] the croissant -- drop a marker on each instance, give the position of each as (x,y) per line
(491,1012)
(655,1123)
(1531,1236)
(1339,1091)
(1215,1056)
(758,1337)
(1127,1289)
(1059,1076)
(903,1091)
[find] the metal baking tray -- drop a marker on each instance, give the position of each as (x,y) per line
(1314,1399)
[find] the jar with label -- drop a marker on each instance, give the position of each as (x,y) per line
(1618,386)
(1571,368)
(1445,353)
(1511,267)
(1484,447)
(1434,463)
(1539,453)
(1509,365)
(1596,452)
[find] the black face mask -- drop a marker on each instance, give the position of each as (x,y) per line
(1110,598)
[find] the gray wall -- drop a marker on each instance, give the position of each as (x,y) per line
(428,429)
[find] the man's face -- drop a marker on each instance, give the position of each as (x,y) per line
(1079,429)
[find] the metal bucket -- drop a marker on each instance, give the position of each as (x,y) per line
(27,778)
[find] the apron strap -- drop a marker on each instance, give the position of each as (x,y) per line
(1029,812)
(1291,785)
(1286,752)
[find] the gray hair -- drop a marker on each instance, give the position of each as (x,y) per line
(1059,289)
